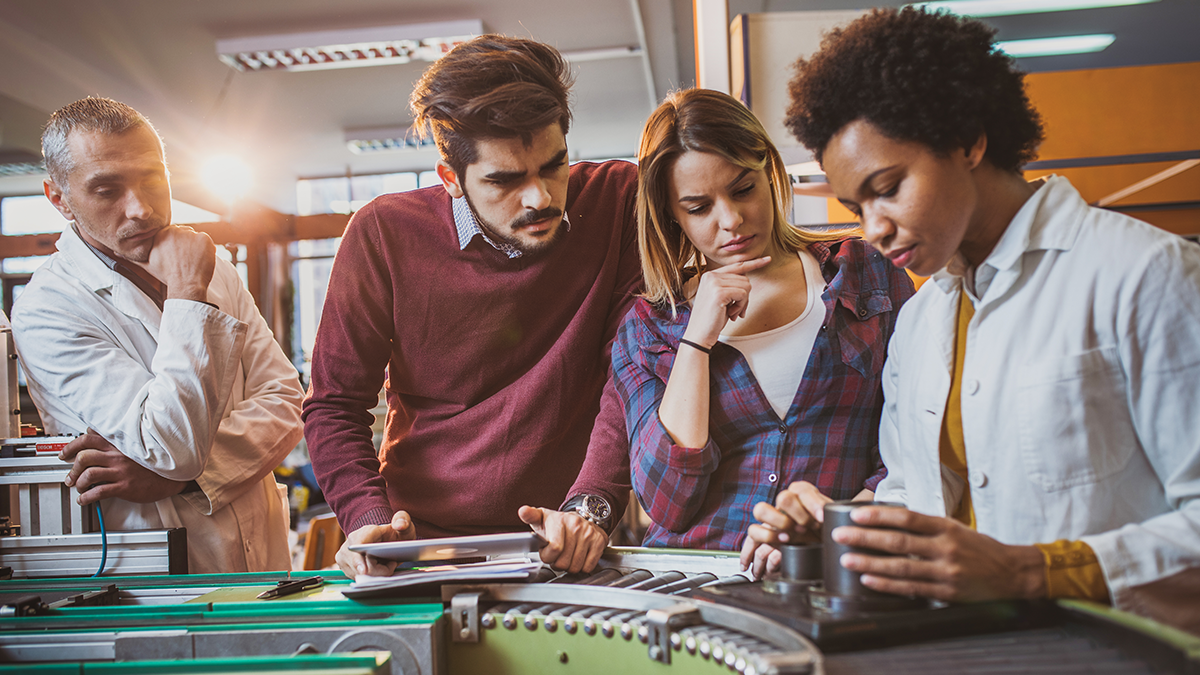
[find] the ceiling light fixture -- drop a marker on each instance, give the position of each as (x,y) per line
(1057,46)
(354,48)
(20,163)
(21,169)
(1009,7)
(806,170)
(364,141)
(601,54)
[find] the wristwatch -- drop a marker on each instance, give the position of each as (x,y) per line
(592,508)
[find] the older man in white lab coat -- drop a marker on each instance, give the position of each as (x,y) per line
(135,335)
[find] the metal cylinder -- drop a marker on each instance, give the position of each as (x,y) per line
(840,581)
(801,562)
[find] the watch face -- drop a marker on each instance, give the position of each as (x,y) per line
(597,507)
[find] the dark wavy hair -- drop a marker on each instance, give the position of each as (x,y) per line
(932,78)
(491,87)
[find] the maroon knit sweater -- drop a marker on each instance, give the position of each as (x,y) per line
(495,366)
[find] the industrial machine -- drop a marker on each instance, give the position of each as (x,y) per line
(10,406)
(642,611)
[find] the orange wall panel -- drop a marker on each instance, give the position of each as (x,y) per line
(840,214)
(1097,182)
(1178,221)
(1118,111)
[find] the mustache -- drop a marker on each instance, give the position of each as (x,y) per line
(144,226)
(532,217)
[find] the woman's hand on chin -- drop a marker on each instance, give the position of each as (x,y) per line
(722,295)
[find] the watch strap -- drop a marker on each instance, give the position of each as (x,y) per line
(575,504)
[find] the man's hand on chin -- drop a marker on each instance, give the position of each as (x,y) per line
(574,543)
(184,260)
(353,564)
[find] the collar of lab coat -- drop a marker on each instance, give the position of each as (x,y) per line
(1055,203)
(93,273)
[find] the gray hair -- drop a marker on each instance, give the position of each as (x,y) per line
(92,114)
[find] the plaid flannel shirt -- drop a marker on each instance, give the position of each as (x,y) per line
(704,497)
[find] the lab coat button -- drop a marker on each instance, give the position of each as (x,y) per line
(973,387)
(978,479)
(772,478)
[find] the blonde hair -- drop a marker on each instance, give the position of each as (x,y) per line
(701,120)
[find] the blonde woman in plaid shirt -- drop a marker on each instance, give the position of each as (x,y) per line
(753,360)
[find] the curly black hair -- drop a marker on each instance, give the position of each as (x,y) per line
(931,78)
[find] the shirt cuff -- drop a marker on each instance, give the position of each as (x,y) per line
(690,461)
(195,494)
(376,516)
(1073,571)
(873,482)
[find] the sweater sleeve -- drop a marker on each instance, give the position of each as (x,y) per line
(352,348)
(605,469)
(670,481)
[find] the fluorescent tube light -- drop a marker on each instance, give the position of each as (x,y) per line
(320,50)
(601,54)
(363,141)
(805,169)
(1007,7)
(1057,46)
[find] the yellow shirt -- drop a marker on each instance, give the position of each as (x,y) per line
(1072,570)
(953,450)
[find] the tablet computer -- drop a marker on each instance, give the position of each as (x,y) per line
(451,548)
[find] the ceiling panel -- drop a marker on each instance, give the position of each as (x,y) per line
(159,56)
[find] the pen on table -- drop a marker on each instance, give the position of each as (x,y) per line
(291,586)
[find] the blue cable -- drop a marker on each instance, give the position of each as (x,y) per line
(103,542)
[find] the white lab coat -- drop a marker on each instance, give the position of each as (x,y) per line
(190,392)
(1081,390)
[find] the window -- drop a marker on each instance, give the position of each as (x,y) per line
(29,214)
(34,214)
(312,259)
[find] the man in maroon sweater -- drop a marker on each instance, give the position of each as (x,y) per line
(492,302)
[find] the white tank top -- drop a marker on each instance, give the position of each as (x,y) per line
(778,357)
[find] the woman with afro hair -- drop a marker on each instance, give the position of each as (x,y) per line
(1041,389)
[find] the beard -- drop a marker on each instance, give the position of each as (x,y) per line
(512,235)
(117,244)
